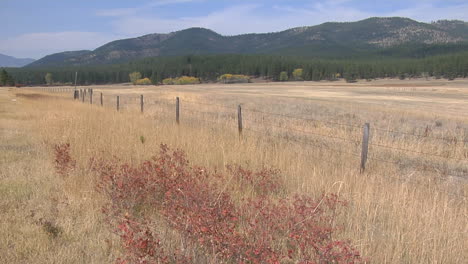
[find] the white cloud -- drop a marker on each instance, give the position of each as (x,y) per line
(231,20)
(255,18)
(117,12)
(427,12)
(37,45)
(240,19)
(169,2)
(123,12)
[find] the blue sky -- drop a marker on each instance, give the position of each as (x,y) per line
(33,28)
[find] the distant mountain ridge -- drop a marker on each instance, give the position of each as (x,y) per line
(328,39)
(9,61)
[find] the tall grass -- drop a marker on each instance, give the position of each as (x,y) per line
(395,213)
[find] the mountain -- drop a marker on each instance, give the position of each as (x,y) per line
(376,36)
(8,61)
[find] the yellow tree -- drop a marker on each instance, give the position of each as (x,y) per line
(134,77)
(48,78)
(297,74)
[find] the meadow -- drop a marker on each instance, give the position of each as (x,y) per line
(408,206)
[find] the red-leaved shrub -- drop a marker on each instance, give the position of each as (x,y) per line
(192,201)
(64,163)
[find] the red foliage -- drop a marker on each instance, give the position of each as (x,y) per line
(192,201)
(264,181)
(64,163)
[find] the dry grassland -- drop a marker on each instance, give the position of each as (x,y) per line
(407,207)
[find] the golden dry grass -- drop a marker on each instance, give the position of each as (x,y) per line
(411,212)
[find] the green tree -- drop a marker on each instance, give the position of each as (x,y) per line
(283,76)
(3,77)
(134,77)
(297,74)
(48,78)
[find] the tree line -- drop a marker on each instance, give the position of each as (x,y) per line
(275,68)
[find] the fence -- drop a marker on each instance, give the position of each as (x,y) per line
(367,148)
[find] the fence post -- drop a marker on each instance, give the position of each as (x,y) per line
(76,95)
(141,103)
(91,96)
(118,102)
(102,102)
(83,95)
(365,146)
(177,110)
(239,119)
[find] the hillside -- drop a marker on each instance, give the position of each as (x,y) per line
(9,61)
(373,36)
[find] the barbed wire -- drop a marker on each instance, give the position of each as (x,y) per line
(210,104)
(414,151)
(419,135)
(303,142)
(301,118)
(315,134)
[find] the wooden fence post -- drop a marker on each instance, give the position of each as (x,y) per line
(102,102)
(365,146)
(141,103)
(177,110)
(83,95)
(239,119)
(91,96)
(118,103)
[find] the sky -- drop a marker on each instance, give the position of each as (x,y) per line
(33,28)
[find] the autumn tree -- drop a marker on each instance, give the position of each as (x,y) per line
(134,77)
(283,76)
(297,74)
(48,78)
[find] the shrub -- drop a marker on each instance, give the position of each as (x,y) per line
(181,80)
(134,77)
(297,74)
(64,163)
(234,78)
(283,76)
(144,81)
(195,203)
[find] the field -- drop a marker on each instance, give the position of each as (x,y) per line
(408,206)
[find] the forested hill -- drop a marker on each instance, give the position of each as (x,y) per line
(9,61)
(394,37)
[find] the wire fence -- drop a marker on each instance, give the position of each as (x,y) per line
(356,138)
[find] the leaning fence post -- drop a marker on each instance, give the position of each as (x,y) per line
(177,110)
(141,103)
(239,119)
(102,100)
(118,102)
(365,146)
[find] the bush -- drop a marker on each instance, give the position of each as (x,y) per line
(283,76)
(64,163)
(145,81)
(196,204)
(134,77)
(297,74)
(181,80)
(234,78)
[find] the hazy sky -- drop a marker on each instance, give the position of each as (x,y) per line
(33,28)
